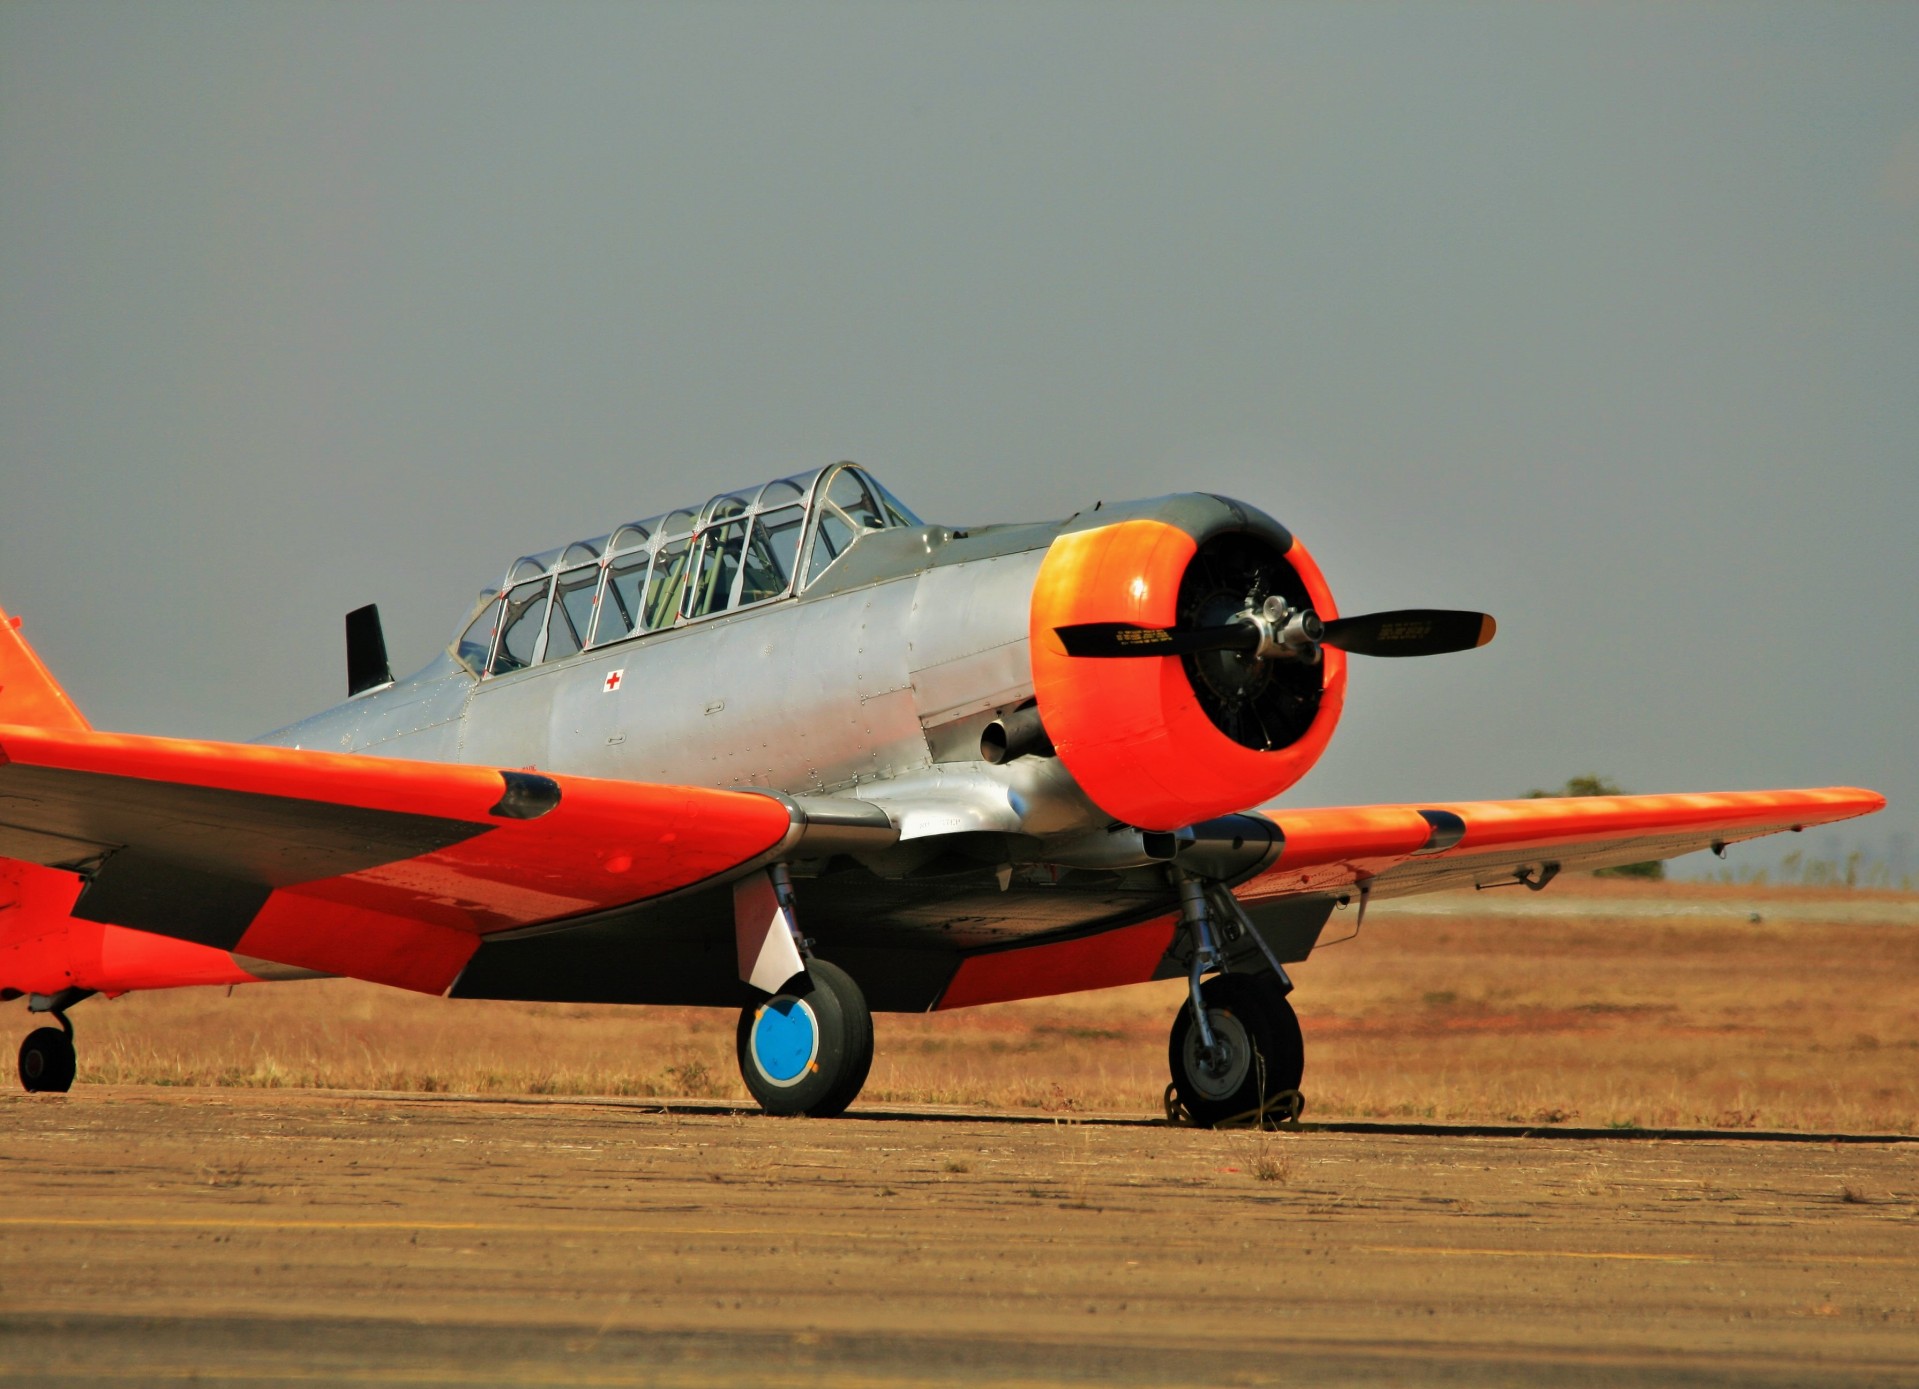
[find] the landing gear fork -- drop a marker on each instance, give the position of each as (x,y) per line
(1200,900)
(1193,911)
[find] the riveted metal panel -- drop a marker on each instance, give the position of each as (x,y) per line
(893,738)
(967,636)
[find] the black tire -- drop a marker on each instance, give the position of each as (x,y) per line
(1253,1017)
(1286,1063)
(47,1062)
(808,1048)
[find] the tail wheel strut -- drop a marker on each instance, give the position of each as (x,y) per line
(47,1059)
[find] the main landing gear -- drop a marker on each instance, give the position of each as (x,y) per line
(1235,1052)
(807,1049)
(47,1058)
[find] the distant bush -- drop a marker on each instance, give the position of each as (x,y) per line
(1602,786)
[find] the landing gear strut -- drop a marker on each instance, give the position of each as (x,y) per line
(47,1059)
(1235,1050)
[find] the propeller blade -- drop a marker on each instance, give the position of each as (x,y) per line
(1124,639)
(1406,632)
(1410,632)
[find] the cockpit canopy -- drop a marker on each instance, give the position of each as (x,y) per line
(740,549)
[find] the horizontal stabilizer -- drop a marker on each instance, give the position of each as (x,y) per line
(29,695)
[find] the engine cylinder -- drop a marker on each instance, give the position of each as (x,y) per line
(1164,741)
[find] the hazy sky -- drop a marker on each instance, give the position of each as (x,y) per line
(1602,318)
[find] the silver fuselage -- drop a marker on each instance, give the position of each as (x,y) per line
(876,683)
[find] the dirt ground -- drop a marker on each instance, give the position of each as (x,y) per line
(152,1235)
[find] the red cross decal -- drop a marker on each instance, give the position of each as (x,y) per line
(613,678)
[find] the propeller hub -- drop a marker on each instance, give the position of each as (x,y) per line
(1286,633)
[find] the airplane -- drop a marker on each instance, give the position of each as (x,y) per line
(799,753)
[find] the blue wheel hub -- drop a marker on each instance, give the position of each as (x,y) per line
(786,1040)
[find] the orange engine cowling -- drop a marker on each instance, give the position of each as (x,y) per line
(1165,741)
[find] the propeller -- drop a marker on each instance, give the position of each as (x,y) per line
(1274,631)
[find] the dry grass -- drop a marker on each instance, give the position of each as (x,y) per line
(1684,1020)
(1590,1019)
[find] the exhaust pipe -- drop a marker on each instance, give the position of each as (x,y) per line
(1018,734)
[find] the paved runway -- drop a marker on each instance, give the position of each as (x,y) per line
(244,1237)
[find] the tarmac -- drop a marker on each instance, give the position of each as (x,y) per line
(158,1236)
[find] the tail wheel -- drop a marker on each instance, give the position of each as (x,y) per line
(1261,1054)
(808,1048)
(47,1062)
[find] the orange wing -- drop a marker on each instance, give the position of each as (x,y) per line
(1386,851)
(1397,850)
(382,869)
